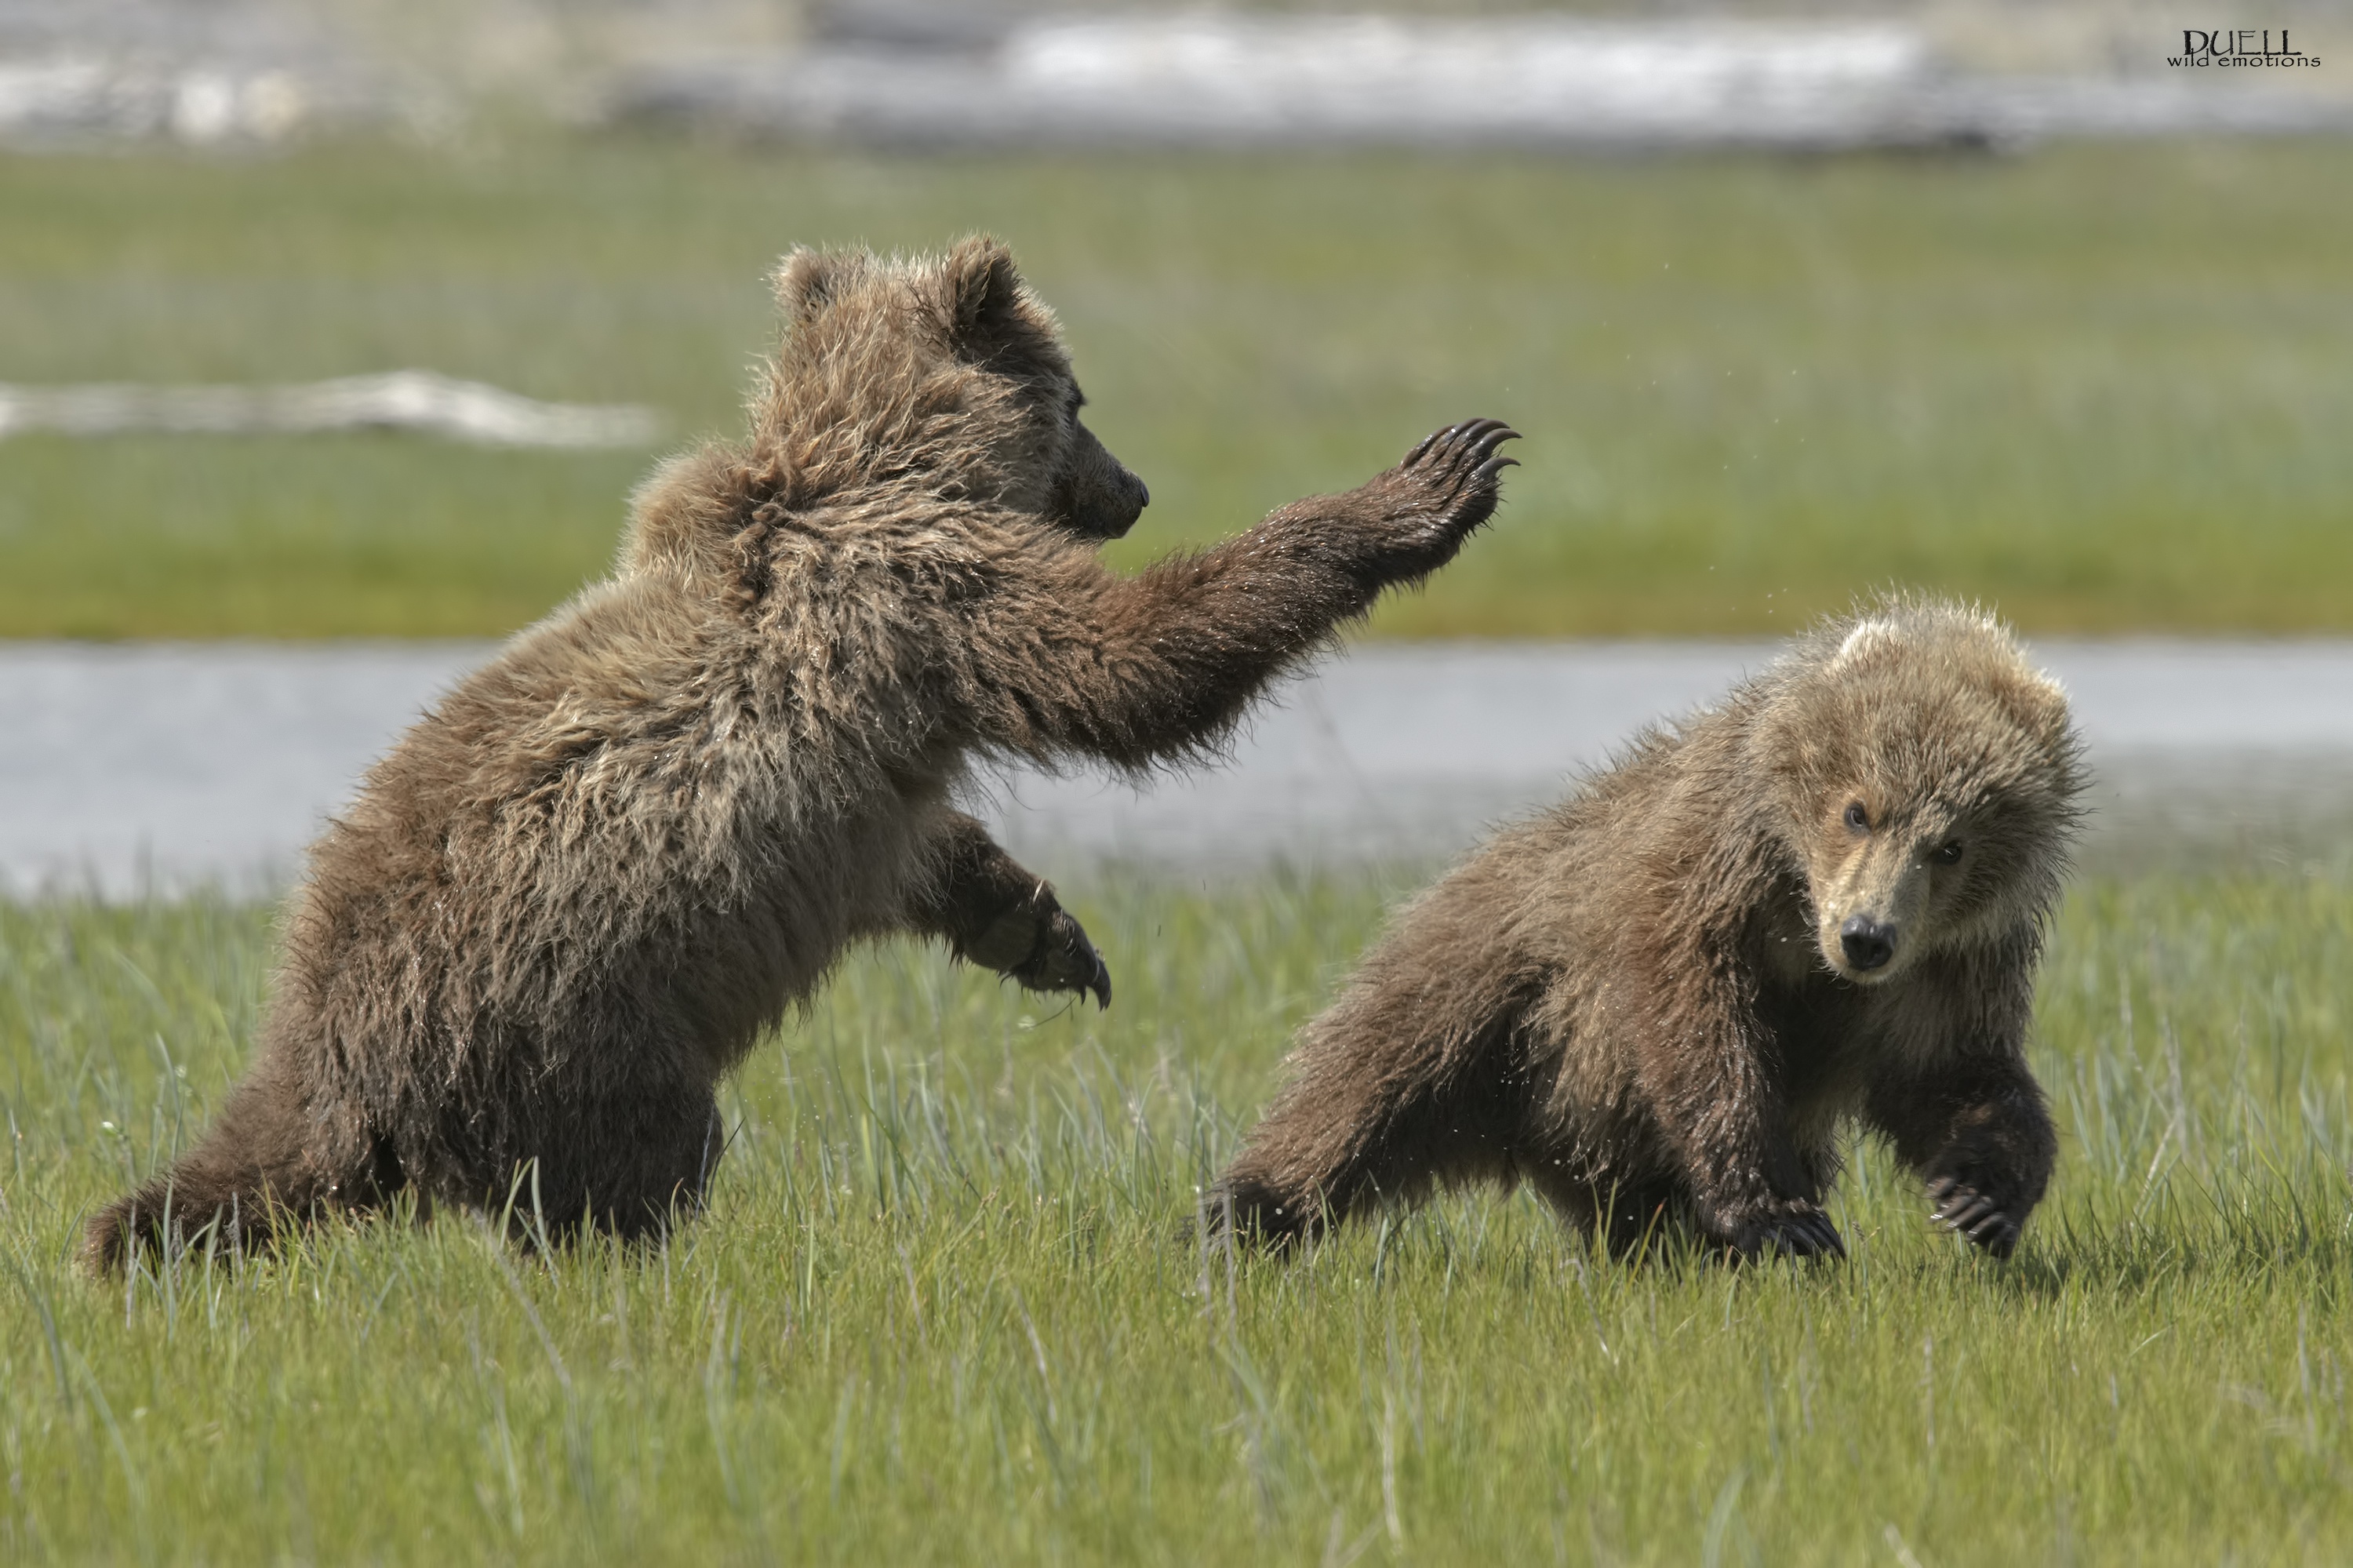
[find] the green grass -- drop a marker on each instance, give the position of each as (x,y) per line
(2103,387)
(949,1306)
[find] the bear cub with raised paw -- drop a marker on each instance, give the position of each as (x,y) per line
(1819,903)
(586,883)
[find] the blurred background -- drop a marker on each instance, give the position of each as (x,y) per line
(337,320)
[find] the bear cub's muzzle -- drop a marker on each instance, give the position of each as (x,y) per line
(1867,943)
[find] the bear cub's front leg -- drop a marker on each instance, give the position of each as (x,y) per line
(1424,508)
(1038,946)
(1992,1174)
(1981,1137)
(1794,1227)
(995,914)
(1755,1194)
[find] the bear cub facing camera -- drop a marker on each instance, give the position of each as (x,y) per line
(1660,1002)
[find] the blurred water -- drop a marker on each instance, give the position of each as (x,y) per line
(1406,753)
(127,768)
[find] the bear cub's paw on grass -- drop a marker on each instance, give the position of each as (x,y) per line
(1818,904)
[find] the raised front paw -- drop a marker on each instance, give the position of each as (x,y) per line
(1979,1205)
(1038,945)
(1446,487)
(1793,1228)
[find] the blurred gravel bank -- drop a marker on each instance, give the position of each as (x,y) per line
(960,73)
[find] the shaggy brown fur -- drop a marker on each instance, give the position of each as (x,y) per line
(578,890)
(1822,900)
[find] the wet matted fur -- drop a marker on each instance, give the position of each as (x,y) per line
(1820,902)
(581,886)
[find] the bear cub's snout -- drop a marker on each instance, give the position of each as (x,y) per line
(1867,943)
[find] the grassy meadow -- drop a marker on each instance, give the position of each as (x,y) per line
(2105,387)
(949,1304)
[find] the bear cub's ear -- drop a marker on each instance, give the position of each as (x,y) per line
(809,282)
(980,289)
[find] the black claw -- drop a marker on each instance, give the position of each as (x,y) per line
(1991,1219)
(1469,433)
(1967,1206)
(1101,986)
(1805,1235)
(1794,1235)
(1421,448)
(1941,1188)
(1995,1234)
(1494,466)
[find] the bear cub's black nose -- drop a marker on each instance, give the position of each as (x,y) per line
(1866,943)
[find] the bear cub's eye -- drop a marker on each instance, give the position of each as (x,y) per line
(1949,852)
(1858,818)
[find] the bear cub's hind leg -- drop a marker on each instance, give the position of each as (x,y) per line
(1370,1119)
(627,1163)
(280,1156)
(1630,1217)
